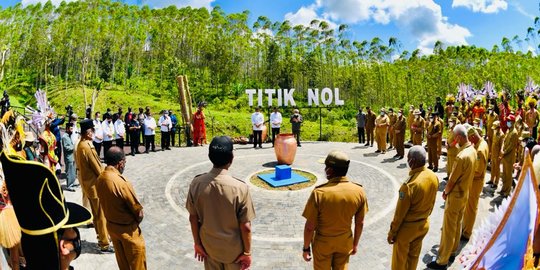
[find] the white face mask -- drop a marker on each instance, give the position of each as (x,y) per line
(450,125)
(399,114)
(509,124)
(457,145)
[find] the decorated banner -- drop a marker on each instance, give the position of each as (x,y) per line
(504,240)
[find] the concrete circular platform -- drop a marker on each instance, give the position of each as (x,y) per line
(162,179)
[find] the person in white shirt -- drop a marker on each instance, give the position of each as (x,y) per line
(149,132)
(97,138)
(257,121)
(275,122)
(119,131)
(108,132)
(165,125)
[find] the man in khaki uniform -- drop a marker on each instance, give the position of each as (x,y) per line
(220,212)
(491,118)
(90,168)
(381,123)
(451,148)
(497,140)
(482,154)
(123,211)
(416,200)
(410,120)
(434,131)
(508,155)
(370,126)
(399,128)
(327,229)
(456,194)
(391,133)
(417,128)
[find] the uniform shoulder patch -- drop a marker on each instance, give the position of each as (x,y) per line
(401,195)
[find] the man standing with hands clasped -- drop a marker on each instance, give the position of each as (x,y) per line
(275,121)
(456,194)
(334,241)
(416,199)
(257,121)
(220,212)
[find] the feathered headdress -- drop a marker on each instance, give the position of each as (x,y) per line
(530,87)
(450,98)
(489,90)
(465,91)
(43,112)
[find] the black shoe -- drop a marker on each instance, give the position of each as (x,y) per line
(435,169)
(445,179)
(400,157)
(378,151)
(464,238)
(430,167)
(489,183)
(106,250)
(154,150)
(299,145)
(260,146)
(168,148)
(367,144)
(133,154)
(138,152)
(452,259)
(396,155)
(435,265)
(495,186)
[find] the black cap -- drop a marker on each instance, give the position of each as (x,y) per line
(85,125)
(221,144)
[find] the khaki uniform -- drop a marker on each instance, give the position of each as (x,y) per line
(410,120)
(222,203)
(492,117)
(410,223)
(496,145)
(462,177)
(531,119)
(439,142)
(370,127)
(451,151)
(399,128)
(463,115)
(333,240)
(508,154)
(434,131)
(90,168)
(122,209)
(418,130)
(391,133)
(381,124)
(482,154)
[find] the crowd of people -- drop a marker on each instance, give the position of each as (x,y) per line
(476,139)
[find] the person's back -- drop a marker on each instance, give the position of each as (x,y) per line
(338,193)
(220,212)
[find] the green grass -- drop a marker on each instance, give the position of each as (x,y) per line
(255,180)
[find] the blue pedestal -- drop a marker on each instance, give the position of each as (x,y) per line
(273,180)
(283,172)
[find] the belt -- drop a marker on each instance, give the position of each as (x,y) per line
(121,224)
(413,221)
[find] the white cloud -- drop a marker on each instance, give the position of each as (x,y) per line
(422,18)
(54,2)
(483,6)
(305,15)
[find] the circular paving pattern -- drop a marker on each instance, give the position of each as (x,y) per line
(280,209)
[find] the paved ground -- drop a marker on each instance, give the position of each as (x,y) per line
(161,181)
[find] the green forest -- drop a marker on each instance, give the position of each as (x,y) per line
(108,54)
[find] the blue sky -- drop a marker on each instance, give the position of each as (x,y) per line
(415,23)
